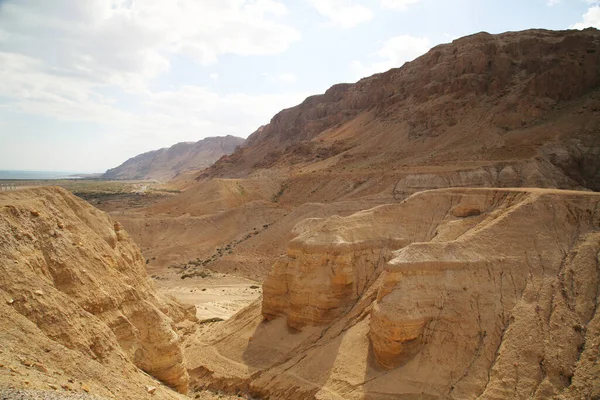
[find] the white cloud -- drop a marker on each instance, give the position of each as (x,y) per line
(126,43)
(198,106)
(552,3)
(590,19)
(161,118)
(343,13)
(189,111)
(283,77)
(398,4)
(193,112)
(260,8)
(34,90)
(83,40)
(394,53)
(59,57)
(95,62)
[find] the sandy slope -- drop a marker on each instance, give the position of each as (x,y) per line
(215,296)
(377,286)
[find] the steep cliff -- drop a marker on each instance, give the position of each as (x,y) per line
(461,113)
(78,309)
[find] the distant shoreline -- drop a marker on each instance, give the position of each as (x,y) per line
(17,175)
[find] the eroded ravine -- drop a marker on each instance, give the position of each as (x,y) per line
(457,310)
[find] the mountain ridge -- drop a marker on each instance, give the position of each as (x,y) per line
(431,232)
(462,102)
(165,163)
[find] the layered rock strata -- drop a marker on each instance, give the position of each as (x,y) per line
(514,98)
(486,293)
(74,273)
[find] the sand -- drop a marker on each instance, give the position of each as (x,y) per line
(217,296)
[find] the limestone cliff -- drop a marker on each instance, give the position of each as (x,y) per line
(454,293)
(74,283)
(513,109)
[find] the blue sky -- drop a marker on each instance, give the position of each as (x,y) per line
(84,85)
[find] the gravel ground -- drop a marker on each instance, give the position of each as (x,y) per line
(31,394)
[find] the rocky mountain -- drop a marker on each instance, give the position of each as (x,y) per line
(78,311)
(515,109)
(431,232)
(519,109)
(164,164)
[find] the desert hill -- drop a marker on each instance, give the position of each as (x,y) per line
(426,233)
(78,311)
(519,109)
(431,232)
(166,163)
(450,294)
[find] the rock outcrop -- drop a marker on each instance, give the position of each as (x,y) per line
(164,164)
(487,289)
(454,293)
(331,262)
(75,279)
(318,287)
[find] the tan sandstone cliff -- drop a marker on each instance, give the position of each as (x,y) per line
(78,310)
(453,293)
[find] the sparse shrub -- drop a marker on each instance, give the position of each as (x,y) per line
(210,320)
(277,196)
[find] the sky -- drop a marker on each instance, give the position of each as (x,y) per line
(87,84)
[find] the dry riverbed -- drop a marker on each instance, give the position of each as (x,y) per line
(215,296)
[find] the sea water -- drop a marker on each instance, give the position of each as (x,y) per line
(37,175)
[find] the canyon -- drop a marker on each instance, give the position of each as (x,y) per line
(77,307)
(452,293)
(431,232)
(520,109)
